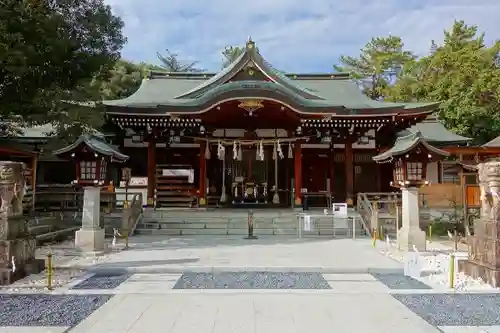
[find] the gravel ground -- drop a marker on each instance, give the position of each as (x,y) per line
(454,309)
(251,280)
(102,281)
(47,310)
(399,281)
(36,282)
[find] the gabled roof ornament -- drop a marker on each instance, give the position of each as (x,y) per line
(250,43)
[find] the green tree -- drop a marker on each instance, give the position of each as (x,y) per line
(462,73)
(171,63)
(49,49)
(378,63)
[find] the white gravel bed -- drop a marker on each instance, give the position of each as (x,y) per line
(435,267)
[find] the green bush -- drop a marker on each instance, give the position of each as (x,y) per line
(441,227)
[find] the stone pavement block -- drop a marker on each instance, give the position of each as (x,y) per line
(117,316)
(261,312)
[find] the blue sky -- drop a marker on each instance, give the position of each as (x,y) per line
(294,35)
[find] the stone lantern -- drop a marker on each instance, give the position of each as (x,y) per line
(91,155)
(410,156)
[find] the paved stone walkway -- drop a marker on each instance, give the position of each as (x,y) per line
(232,285)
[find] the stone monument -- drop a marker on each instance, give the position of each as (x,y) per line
(484,247)
(17,247)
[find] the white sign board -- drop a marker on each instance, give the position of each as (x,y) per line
(339,210)
(307,223)
(413,264)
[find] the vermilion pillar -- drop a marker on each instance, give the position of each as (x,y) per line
(151,170)
(349,172)
(298,172)
(331,158)
(203,171)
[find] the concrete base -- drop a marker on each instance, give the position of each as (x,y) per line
(409,237)
(90,240)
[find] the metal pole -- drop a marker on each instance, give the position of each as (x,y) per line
(50,272)
(354,228)
(250,226)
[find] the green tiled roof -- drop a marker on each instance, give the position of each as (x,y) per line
(495,143)
(193,89)
(95,143)
(404,145)
(433,131)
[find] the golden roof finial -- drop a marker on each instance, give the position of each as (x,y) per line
(250,43)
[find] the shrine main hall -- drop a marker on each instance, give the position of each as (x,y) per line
(252,135)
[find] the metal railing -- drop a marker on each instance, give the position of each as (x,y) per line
(318,226)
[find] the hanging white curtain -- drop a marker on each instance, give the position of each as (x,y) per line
(235,151)
(220,151)
(280,151)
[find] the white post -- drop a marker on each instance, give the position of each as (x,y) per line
(354,228)
(90,238)
(410,234)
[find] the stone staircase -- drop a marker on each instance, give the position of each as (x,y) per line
(179,222)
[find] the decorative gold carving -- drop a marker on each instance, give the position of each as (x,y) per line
(251,72)
(251,105)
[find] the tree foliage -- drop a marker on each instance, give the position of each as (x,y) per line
(378,63)
(50,50)
(172,63)
(462,73)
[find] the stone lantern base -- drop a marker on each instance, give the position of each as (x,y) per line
(21,250)
(482,252)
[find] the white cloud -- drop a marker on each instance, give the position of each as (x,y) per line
(294,35)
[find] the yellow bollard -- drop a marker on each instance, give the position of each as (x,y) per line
(381,233)
(374,237)
(430,233)
(50,271)
(452,270)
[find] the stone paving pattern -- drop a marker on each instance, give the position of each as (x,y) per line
(355,300)
(102,281)
(252,280)
(454,309)
(47,310)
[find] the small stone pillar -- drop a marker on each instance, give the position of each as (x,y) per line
(90,238)
(484,247)
(410,233)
